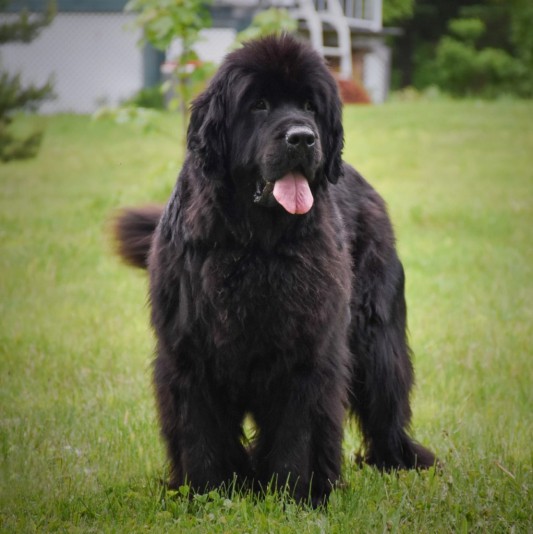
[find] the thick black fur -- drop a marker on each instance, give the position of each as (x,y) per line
(288,318)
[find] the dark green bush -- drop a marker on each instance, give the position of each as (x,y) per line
(468,30)
(16,97)
(462,69)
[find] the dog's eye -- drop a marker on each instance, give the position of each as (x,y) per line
(260,105)
(309,106)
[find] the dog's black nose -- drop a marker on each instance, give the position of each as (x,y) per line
(300,136)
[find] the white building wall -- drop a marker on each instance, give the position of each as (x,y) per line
(376,72)
(213,45)
(93,58)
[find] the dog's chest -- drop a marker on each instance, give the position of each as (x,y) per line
(261,302)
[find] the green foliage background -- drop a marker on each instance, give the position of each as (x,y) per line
(438,47)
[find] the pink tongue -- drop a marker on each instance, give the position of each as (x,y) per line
(293,193)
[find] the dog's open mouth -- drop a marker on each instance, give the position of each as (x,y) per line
(291,192)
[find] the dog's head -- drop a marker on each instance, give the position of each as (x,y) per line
(270,121)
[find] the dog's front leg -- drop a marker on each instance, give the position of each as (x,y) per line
(202,433)
(300,437)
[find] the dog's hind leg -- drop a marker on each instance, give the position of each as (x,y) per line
(382,373)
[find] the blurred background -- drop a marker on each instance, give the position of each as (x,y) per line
(94,53)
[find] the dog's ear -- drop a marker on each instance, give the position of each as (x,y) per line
(334,138)
(206,134)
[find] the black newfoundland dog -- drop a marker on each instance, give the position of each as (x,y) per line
(275,287)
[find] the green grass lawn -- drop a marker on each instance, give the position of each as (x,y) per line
(79,444)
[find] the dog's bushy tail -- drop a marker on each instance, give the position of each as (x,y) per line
(133,229)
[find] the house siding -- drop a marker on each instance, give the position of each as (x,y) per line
(92,58)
